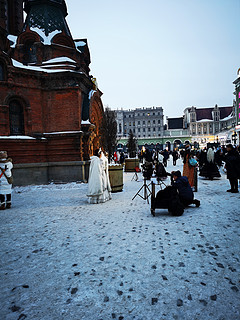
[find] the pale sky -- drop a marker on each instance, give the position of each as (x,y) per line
(168,53)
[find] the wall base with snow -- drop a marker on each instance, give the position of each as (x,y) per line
(45,173)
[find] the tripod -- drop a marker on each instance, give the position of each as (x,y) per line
(146,191)
(135,176)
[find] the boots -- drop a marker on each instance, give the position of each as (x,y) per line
(2,206)
(196,202)
(8,205)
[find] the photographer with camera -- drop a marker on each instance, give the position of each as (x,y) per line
(184,189)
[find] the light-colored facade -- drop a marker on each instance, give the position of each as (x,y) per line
(144,122)
(210,124)
(237,107)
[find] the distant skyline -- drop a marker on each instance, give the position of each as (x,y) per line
(172,54)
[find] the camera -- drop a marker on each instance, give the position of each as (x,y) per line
(147,169)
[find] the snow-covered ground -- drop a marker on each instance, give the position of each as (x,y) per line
(64,259)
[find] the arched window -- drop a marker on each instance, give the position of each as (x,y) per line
(30,52)
(1,72)
(16,118)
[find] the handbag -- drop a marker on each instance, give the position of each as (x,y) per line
(9,179)
(192,162)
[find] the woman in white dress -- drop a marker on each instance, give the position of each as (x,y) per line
(105,176)
(98,182)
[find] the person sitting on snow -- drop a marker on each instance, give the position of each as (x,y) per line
(184,189)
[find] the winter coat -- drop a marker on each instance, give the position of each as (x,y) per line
(175,155)
(5,187)
(184,188)
(232,160)
(188,171)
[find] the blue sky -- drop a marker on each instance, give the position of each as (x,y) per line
(173,53)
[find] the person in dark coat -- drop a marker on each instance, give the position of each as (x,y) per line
(184,189)
(232,165)
(122,158)
(175,157)
(165,157)
(209,168)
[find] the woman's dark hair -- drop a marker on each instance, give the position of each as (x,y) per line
(96,152)
(186,152)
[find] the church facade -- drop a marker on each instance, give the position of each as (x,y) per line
(50,105)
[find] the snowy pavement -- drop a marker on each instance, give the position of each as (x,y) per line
(64,259)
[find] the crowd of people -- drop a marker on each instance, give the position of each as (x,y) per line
(207,161)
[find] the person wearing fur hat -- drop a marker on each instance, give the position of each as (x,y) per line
(184,189)
(209,168)
(5,181)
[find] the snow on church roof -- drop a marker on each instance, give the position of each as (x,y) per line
(13,40)
(79,44)
(36,68)
(45,39)
(59,59)
(44,68)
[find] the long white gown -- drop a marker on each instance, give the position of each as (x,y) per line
(105,176)
(98,182)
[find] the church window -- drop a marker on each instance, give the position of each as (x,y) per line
(30,52)
(2,78)
(16,118)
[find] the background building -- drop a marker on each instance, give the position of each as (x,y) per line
(144,122)
(237,107)
(147,124)
(214,124)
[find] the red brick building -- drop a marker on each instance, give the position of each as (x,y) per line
(50,108)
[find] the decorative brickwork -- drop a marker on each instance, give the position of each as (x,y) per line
(45,87)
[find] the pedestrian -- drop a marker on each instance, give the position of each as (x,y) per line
(185,192)
(165,157)
(122,157)
(105,176)
(97,184)
(188,169)
(115,157)
(209,168)
(5,181)
(174,157)
(232,165)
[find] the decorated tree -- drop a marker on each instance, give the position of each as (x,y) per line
(132,145)
(109,132)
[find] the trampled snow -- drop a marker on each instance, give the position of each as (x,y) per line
(64,259)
